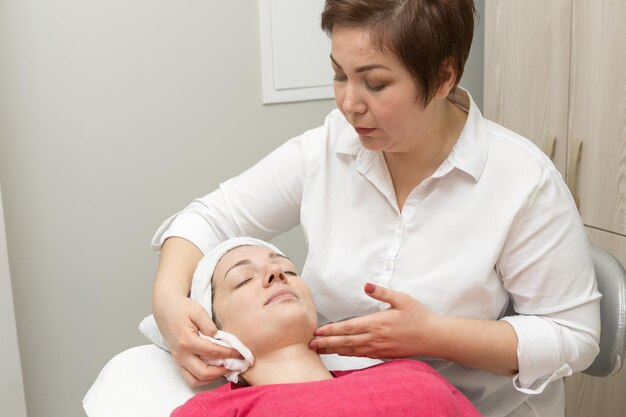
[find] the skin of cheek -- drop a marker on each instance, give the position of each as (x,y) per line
(258,327)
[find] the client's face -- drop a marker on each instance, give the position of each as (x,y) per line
(260,298)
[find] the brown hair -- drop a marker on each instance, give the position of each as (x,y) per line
(425,35)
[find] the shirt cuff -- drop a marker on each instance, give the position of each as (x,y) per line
(185,225)
(538,354)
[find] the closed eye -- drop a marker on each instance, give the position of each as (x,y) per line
(295,274)
(244,282)
(376,88)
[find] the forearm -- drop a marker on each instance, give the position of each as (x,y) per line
(489,345)
(179,258)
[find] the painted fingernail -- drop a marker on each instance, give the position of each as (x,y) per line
(318,333)
(370,288)
(314,345)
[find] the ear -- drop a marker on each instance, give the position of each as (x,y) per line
(449,76)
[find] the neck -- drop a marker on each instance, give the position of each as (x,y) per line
(436,142)
(410,167)
(287,365)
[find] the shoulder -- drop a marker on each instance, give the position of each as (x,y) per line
(219,402)
(511,149)
(329,134)
(412,384)
(516,162)
(322,146)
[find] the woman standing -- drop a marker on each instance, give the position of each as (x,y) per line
(407,186)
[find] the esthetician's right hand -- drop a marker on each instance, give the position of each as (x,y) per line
(179,320)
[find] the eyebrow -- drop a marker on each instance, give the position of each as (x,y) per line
(248,262)
(363,68)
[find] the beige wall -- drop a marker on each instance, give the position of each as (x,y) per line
(113,115)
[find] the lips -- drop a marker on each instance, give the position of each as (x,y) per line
(279,296)
(364,130)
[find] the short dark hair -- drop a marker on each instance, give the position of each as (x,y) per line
(425,35)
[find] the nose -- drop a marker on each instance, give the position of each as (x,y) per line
(273,275)
(349,100)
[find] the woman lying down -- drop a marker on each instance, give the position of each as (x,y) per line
(255,293)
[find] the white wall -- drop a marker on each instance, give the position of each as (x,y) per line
(113,115)
(11,387)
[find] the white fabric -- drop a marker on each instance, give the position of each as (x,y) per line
(494,222)
(236,366)
(140,382)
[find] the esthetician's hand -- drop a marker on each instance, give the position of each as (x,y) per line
(179,320)
(398,332)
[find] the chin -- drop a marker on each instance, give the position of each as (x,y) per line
(372,144)
(287,325)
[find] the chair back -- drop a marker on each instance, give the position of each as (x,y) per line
(611,278)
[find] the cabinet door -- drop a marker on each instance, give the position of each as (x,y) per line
(587,395)
(597,114)
(527,52)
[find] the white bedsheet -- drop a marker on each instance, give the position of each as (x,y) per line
(140,382)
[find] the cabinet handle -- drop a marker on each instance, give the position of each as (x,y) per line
(548,146)
(572,170)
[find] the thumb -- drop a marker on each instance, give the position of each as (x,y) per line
(394,298)
(203,322)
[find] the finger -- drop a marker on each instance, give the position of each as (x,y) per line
(396,299)
(202,321)
(199,373)
(207,349)
(191,380)
(353,345)
(358,325)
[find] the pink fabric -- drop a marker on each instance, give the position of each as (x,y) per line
(392,389)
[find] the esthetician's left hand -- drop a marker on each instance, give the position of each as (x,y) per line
(398,332)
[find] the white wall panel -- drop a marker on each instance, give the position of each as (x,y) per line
(294,51)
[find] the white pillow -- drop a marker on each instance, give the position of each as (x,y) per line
(150,330)
(143,381)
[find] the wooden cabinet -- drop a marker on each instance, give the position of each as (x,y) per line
(597,110)
(557,70)
(526,70)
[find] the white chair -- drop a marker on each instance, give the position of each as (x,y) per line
(611,278)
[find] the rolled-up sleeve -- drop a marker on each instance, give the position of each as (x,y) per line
(547,269)
(262,202)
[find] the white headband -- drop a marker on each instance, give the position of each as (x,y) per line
(201,291)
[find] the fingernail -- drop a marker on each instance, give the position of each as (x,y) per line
(314,345)
(370,288)
(318,333)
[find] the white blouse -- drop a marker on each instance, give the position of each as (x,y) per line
(494,223)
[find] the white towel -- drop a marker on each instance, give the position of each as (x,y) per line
(236,366)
